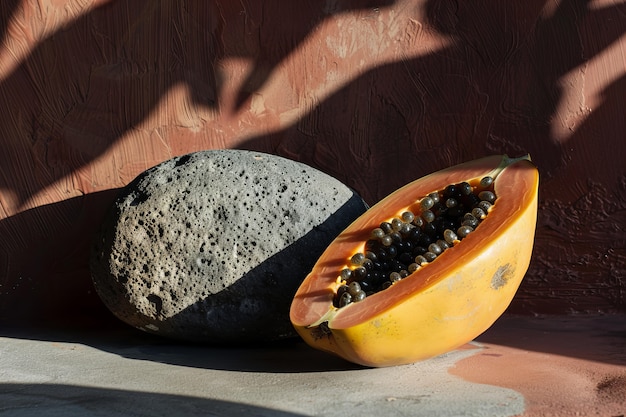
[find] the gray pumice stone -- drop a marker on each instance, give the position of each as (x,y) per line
(212,246)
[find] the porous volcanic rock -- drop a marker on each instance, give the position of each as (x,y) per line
(212,246)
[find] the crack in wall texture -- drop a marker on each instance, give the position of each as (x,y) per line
(373,92)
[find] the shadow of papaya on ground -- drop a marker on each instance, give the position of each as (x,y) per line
(599,338)
(47,400)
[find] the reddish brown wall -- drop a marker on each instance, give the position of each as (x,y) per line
(376,93)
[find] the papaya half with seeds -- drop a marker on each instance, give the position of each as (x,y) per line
(442,303)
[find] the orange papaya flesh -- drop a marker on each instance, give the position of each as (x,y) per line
(442,305)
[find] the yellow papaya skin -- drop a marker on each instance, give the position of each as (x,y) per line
(446,303)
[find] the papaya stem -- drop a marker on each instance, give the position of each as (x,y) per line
(506,162)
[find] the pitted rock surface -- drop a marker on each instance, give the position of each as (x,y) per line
(213,245)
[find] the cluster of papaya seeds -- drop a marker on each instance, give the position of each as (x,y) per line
(404,244)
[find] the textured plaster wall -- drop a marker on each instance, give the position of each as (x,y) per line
(375,93)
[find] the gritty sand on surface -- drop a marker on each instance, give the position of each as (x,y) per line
(565,366)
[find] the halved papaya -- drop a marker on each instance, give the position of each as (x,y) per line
(443,304)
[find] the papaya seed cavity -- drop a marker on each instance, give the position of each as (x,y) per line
(424,231)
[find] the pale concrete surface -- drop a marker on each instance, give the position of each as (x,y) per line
(117,371)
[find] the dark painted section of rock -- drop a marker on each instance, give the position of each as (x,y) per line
(213,245)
